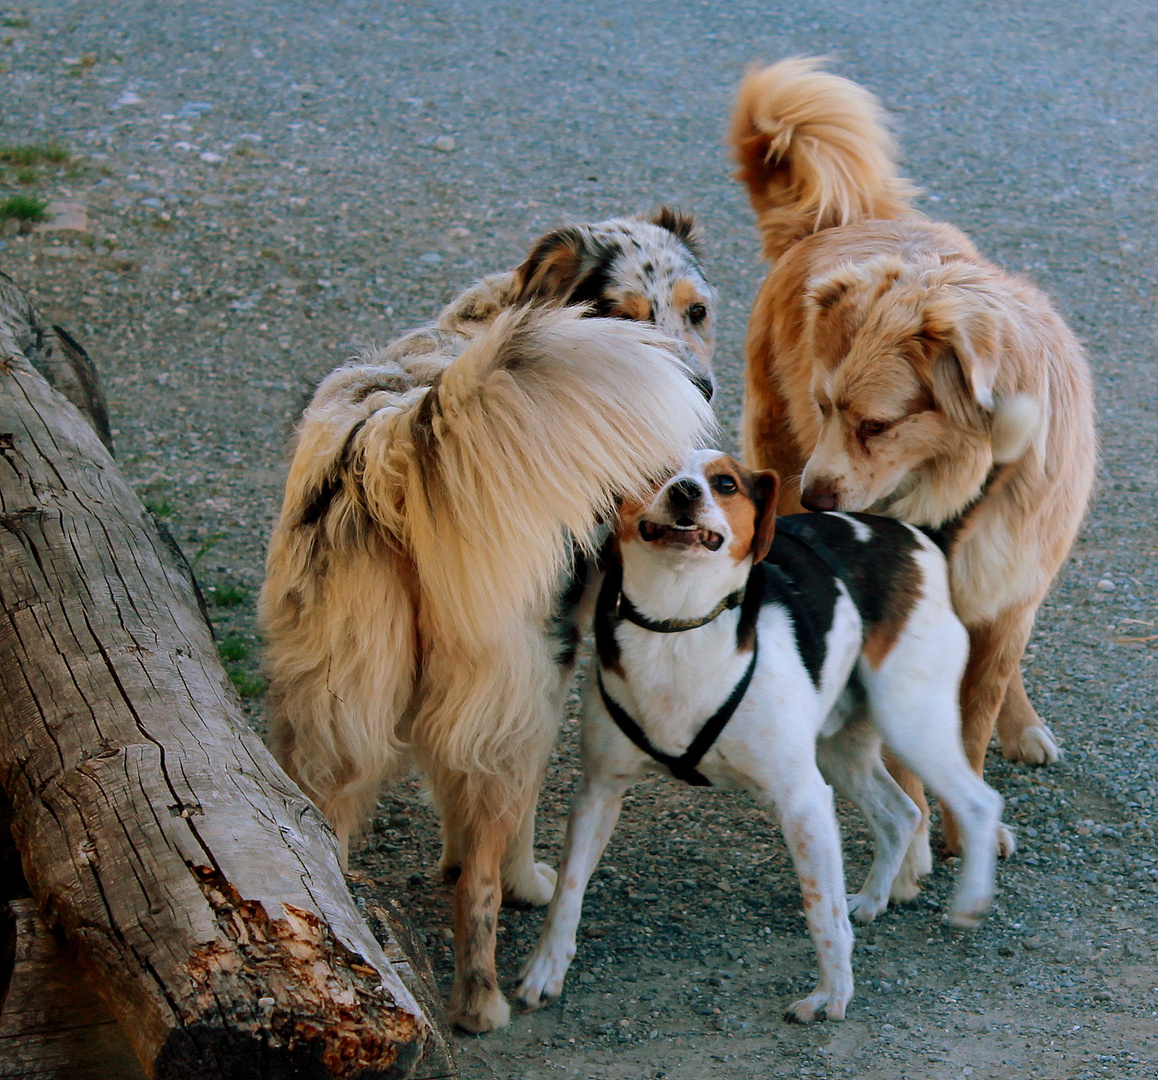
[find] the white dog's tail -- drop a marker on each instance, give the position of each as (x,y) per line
(814,152)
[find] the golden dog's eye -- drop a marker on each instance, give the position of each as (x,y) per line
(723,484)
(697,313)
(824,408)
(870,428)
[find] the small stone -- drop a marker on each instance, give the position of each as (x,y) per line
(586,978)
(445,143)
(64,217)
(211,159)
(1106,585)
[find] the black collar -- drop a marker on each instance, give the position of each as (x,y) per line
(625,609)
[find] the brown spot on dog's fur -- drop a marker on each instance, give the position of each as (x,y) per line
(902,593)
(632,306)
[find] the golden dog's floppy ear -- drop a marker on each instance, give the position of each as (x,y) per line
(967,310)
(767,487)
(970,319)
(554,267)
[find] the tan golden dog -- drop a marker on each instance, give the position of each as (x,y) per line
(891,369)
(438,491)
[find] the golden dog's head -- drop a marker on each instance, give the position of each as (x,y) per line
(916,383)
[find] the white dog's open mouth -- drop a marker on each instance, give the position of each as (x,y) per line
(681,533)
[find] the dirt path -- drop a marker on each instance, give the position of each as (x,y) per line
(263,194)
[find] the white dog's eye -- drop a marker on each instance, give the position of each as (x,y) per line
(723,484)
(697,313)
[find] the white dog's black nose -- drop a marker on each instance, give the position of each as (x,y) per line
(684,495)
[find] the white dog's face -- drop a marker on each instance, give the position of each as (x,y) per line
(712,508)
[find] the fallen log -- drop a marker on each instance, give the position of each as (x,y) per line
(199,890)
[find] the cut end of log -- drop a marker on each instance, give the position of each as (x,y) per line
(316,1007)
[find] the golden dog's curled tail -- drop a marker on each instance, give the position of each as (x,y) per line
(527,437)
(814,152)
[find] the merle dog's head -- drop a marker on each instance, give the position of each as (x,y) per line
(641,268)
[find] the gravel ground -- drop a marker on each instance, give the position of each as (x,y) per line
(267,188)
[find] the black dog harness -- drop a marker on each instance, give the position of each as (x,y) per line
(766,576)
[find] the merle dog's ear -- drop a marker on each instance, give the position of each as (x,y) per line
(553,268)
(683,226)
(767,485)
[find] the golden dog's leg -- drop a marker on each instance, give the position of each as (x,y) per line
(994,658)
(769,442)
(476,1003)
(1022,734)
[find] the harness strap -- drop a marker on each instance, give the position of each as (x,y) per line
(808,537)
(685,766)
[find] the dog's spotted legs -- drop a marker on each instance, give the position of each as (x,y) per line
(804,807)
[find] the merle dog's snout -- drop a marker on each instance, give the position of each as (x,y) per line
(685,494)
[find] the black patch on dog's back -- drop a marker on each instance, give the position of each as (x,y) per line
(880,573)
(795,577)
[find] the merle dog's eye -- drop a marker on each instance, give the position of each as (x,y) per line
(723,484)
(697,313)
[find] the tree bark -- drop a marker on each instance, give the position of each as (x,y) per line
(197,886)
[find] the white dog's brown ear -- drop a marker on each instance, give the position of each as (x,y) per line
(553,268)
(767,487)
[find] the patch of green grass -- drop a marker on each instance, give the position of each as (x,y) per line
(159,507)
(15,22)
(227,595)
(233,648)
(207,545)
(247,685)
(23,208)
(28,154)
(26,176)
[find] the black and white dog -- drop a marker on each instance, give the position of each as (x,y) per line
(742,651)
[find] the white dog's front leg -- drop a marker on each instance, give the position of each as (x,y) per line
(593,817)
(808,818)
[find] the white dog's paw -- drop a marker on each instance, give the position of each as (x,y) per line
(967,913)
(535,888)
(863,908)
(1006,841)
(1034,746)
(816,1007)
(543,978)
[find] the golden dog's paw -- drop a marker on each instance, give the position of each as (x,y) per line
(1034,746)
(481,1012)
